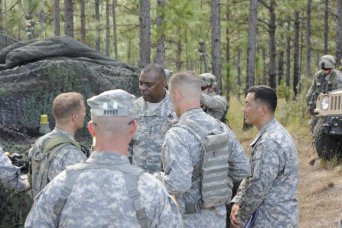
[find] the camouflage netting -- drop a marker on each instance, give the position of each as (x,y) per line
(32,73)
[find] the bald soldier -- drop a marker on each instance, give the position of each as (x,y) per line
(201,157)
(154,114)
(106,190)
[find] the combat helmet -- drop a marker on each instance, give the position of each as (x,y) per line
(207,80)
(327,61)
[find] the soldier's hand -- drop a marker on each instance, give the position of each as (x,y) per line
(234,216)
(26,183)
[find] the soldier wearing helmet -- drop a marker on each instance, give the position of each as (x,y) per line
(213,104)
(325,80)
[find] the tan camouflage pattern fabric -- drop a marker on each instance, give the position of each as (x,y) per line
(213,104)
(145,147)
(66,155)
(181,153)
(273,183)
(99,198)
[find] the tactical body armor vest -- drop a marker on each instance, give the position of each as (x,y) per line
(130,173)
(323,85)
(212,172)
(41,160)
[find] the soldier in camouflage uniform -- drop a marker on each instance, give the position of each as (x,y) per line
(69,113)
(213,104)
(182,154)
(106,190)
(154,113)
(269,194)
(13,194)
(325,80)
(10,174)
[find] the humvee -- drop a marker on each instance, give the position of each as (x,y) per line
(328,130)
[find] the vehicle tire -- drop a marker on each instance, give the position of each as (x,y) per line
(327,146)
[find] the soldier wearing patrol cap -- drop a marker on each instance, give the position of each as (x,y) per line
(213,104)
(106,190)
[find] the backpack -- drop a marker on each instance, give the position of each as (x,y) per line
(130,173)
(213,170)
(39,165)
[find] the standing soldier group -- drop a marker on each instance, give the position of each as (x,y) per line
(161,160)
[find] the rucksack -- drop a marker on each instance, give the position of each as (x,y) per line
(39,164)
(130,173)
(213,170)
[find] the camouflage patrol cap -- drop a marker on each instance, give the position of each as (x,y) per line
(207,79)
(115,102)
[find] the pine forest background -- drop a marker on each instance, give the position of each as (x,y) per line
(243,43)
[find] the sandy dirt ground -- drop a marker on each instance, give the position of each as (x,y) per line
(319,190)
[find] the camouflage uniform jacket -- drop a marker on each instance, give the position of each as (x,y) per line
(145,146)
(181,153)
(213,104)
(323,84)
(66,154)
(272,186)
(10,174)
(99,198)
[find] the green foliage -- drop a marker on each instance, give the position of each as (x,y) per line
(292,113)
(284,91)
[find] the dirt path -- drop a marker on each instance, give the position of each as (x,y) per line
(319,190)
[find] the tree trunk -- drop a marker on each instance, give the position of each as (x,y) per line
(308,40)
(251,51)
(238,61)
(216,44)
(272,43)
(57,21)
(69,18)
(179,50)
(280,67)
(116,57)
(161,34)
(98,28)
(296,54)
(264,68)
(83,30)
(145,33)
(1,17)
(107,29)
(288,56)
(339,34)
(227,34)
(326,26)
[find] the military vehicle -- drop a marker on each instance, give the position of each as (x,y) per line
(328,130)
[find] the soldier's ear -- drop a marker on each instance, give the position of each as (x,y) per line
(91,128)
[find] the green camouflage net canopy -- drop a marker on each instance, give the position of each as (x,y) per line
(34,72)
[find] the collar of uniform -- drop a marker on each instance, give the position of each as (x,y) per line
(262,131)
(61,131)
(107,158)
(142,109)
(190,113)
